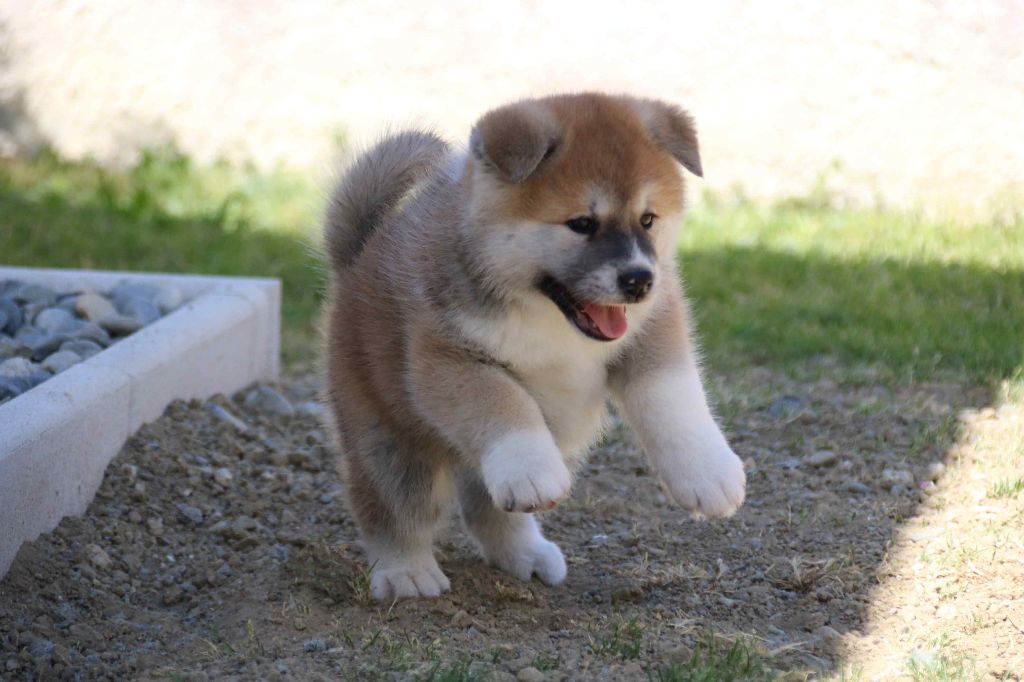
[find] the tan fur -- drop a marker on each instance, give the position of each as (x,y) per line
(451,374)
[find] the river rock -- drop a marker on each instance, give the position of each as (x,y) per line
(93,306)
(61,360)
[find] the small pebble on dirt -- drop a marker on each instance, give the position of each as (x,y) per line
(314,645)
(193,514)
(821,458)
(936,470)
(226,417)
(223,476)
(266,399)
(530,674)
(97,556)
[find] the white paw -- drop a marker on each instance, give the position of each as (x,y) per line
(538,557)
(525,472)
(403,577)
(709,483)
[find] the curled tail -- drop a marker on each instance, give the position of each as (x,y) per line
(373,186)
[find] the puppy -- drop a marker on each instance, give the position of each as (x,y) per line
(483,307)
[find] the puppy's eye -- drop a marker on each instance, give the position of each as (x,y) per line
(583,224)
(647,220)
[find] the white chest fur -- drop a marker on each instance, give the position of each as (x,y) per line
(561,369)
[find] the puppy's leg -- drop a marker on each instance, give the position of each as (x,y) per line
(657,385)
(512,541)
(493,423)
(399,501)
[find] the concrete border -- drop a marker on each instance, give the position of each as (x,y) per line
(57,438)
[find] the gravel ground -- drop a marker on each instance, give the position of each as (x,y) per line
(218,548)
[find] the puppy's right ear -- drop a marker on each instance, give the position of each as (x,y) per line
(515,140)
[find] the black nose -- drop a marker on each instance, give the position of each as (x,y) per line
(636,283)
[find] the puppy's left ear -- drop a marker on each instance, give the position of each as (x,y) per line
(516,139)
(673,129)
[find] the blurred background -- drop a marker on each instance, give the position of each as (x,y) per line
(864,162)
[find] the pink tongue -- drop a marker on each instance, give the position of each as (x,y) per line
(610,319)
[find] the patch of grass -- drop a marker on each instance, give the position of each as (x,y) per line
(1006,487)
(623,640)
(714,661)
(787,284)
(941,664)
(166,214)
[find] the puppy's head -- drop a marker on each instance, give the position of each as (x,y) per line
(575,198)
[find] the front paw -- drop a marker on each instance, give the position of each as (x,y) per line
(524,472)
(709,483)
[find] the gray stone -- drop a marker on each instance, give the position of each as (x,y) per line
(142,309)
(10,348)
(97,556)
(936,470)
(785,406)
(821,458)
(855,486)
(893,476)
(312,646)
(226,417)
(266,399)
(92,332)
(121,325)
(168,299)
(61,360)
(93,306)
(18,368)
(223,476)
(15,318)
(193,514)
(3,319)
(83,347)
(54,320)
(24,292)
(530,674)
(39,342)
(41,648)
(311,407)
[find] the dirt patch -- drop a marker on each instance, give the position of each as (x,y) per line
(216,552)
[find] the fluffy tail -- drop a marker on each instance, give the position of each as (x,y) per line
(373,187)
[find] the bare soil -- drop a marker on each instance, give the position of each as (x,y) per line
(216,553)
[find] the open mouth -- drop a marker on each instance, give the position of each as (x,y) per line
(600,322)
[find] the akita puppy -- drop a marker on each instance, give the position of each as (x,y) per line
(483,307)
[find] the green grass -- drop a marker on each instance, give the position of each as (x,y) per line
(1006,487)
(166,215)
(783,285)
(713,661)
(623,640)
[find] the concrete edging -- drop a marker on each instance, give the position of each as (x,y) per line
(57,438)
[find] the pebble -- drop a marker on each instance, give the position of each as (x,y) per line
(121,324)
(936,470)
(97,556)
(193,514)
(54,320)
(223,476)
(10,348)
(168,299)
(314,645)
(821,458)
(173,595)
(226,417)
(95,307)
(826,633)
(24,292)
(266,399)
(530,674)
(18,368)
(785,406)
(41,648)
(13,317)
(900,476)
(83,347)
(92,332)
(60,361)
(143,310)
(312,408)
(855,486)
